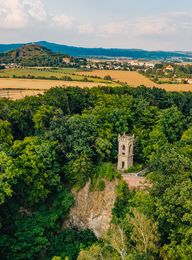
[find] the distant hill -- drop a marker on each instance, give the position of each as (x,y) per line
(32,55)
(9,47)
(87,52)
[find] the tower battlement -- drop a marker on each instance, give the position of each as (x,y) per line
(126,138)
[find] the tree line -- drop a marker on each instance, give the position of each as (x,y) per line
(58,141)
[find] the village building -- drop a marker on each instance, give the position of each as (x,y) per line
(189,81)
(67,60)
(169,68)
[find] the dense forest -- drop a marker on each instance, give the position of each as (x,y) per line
(58,141)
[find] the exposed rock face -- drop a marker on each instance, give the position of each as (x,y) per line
(92,210)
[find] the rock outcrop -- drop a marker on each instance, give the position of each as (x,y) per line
(93,209)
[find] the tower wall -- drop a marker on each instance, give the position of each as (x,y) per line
(125,152)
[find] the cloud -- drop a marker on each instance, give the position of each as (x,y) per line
(11,14)
(36,9)
(113,28)
(86,29)
(15,14)
(18,18)
(154,26)
(164,24)
(63,21)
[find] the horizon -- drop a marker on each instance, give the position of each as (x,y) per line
(159,26)
(99,47)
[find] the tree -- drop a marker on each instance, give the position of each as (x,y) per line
(78,171)
(187,136)
(113,246)
(107,77)
(172,123)
(172,194)
(156,141)
(144,233)
(43,116)
(92,253)
(81,135)
(36,161)
(6,137)
(117,240)
(36,230)
(8,176)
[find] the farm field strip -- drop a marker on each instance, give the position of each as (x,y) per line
(19,88)
(18,94)
(15,88)
(36,84)
(135,79)
(51,74)
(132,78)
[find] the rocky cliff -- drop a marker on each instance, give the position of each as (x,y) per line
(92,209)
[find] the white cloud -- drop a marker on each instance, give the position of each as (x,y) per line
(63,21)
(113,28)
(36,9)
(164,24)
(15,14)
(154,26)
(11,14)
(86,29)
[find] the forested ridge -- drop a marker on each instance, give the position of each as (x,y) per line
(33,55)
(58,141)
(102,52)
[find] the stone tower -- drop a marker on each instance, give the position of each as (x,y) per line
(125,155)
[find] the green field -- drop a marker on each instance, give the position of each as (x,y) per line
(48,73)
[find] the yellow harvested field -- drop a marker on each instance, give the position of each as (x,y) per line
(44,84)
(18,94)
(175,87)
(132,78)
(135,79)
(20,88)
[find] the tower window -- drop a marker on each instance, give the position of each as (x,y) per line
(130,148)
(123,165)
(123,149)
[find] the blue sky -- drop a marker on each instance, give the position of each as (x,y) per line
(146,24)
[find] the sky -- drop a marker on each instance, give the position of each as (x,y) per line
(141,24)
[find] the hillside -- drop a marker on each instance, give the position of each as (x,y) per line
(30,51)
(87,52)
(32,55)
